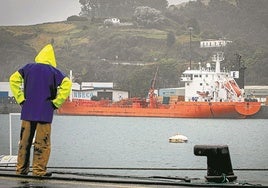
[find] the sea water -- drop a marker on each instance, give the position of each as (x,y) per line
(134,142)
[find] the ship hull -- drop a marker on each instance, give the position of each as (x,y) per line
(177,110)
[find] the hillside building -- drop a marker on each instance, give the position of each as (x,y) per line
(214,43)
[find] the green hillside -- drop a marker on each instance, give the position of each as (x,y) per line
(128,54)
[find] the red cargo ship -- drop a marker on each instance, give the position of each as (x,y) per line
(208,94)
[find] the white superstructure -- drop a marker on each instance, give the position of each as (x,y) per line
(206,84)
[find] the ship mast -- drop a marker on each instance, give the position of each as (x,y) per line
(152,98)
(218,58)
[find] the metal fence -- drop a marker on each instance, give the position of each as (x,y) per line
(7,100)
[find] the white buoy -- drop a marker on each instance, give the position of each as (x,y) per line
(178,138)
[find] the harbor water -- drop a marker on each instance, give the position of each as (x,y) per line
(128,142)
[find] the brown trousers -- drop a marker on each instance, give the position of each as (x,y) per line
(41,153)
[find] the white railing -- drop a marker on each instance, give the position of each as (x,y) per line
(6,160)
(10,131)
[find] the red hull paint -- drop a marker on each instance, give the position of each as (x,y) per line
(178,110)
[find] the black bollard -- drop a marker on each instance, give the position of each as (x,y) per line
(219,166)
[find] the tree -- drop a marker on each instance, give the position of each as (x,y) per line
(148,17)
(89,8)
(156,4)
(76,18)
(117,8)
(171,39)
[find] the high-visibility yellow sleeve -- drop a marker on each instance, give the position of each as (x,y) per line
(15,82)
(63,92)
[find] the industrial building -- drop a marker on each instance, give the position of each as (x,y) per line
(86,90)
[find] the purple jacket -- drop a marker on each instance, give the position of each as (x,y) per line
(40,88)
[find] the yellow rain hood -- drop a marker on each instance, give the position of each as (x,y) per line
(46,56)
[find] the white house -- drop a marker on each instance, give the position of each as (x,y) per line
(214,43)
(112,21)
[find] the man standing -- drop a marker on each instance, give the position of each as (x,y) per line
(45,88)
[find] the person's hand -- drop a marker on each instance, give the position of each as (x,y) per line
(55,108)
(21,104)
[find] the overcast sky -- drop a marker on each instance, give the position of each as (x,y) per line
(30,12)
